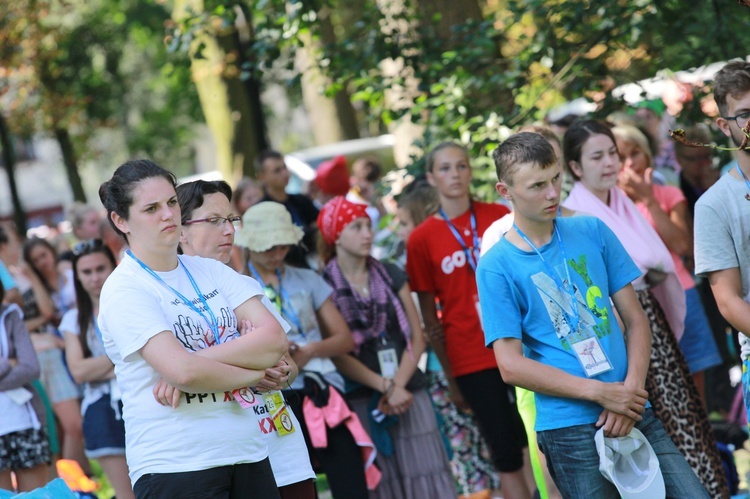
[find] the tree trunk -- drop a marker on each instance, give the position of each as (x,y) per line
(231,106)
(332,119)
(451,13)
(9,158)
(71,164)
(406,132)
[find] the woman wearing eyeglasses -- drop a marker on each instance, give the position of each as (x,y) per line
(208,230)
(103,428)
(184,320)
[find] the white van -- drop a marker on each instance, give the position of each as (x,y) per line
(302,164)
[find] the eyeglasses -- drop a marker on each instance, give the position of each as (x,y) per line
(89,246)
(216,221)
(741,119)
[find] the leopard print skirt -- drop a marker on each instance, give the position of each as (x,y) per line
(676,402)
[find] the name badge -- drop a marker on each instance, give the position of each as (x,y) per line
(279,413)
(591,355)
(388,360)
(245,397)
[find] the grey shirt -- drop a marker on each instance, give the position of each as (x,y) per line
(306,292)
(722,230)
(722,233)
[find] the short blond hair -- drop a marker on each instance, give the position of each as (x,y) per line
(631,134)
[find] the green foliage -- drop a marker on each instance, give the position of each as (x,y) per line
(97,64)
(102,62)
(525,57)
(274,29)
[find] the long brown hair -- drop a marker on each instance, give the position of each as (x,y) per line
(83,300)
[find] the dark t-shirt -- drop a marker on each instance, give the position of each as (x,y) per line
(304,215)
(368,351)
(691,194)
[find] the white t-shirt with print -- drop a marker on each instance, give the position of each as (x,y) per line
(206,430)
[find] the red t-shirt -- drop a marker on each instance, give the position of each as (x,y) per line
(436,263)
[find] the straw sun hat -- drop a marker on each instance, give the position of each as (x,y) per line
(266,225)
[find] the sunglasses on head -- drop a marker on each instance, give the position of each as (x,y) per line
(90,246)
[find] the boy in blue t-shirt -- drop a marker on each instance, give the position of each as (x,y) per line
(546,291)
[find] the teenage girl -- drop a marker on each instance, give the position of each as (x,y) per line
(103,428)
(185,321)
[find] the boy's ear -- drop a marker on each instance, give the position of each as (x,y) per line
(723,125)
(503,190)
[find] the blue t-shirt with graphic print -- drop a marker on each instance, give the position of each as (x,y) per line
(519,299)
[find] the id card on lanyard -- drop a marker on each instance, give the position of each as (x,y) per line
(240,394)
(472,254)
(387,357)
(279,412)
(583,340)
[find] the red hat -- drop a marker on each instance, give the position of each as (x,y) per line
(336,214)
(332,176)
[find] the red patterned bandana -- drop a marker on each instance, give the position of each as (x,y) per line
(337,214)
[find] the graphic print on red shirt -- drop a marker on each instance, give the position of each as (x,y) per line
(436,263)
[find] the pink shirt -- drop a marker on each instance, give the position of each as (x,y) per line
(668,197)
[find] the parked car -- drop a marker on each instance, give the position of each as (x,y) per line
(303,163)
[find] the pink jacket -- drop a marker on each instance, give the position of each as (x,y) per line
(333,414)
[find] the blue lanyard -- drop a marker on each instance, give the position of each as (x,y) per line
(747,182)
(212,322)
(575,320)
(472,255)
(287,310)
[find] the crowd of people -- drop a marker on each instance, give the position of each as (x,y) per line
(200,341)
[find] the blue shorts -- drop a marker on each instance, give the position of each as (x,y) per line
(697,343)
(103,433)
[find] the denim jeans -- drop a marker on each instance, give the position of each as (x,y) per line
(574,463)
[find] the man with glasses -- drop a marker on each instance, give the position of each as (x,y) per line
(697,175)
(722,214)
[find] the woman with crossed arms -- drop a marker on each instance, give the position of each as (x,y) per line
(185,320)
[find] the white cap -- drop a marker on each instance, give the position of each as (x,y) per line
(631,465)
